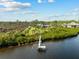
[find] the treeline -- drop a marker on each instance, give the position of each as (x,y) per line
(10,26)
(18,25)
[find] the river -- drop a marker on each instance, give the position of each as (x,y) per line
(66,49)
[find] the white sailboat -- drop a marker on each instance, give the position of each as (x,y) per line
(41,47)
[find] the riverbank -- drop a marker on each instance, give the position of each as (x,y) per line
(31,34)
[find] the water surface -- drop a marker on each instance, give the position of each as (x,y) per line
(66,49)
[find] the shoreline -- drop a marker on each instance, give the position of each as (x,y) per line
(45,40)
(30,35)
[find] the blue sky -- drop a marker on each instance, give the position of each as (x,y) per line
(28,10)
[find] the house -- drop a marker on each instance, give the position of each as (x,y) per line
(43,25)
(71,25)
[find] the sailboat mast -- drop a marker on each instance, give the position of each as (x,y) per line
(39,41)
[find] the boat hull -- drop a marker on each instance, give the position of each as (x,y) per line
(42,48)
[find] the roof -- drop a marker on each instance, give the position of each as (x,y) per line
(72,23)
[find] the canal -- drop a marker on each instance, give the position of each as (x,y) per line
(66,49)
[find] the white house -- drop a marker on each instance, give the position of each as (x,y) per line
(71,25)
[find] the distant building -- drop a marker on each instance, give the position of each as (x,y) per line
(71,25)
(43,25)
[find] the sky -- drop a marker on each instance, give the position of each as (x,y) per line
(46,10)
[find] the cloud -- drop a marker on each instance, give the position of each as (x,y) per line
(72,14)
(8,9)
(40,1)
(76,9)
(30,12)
(11,5)
(50,1)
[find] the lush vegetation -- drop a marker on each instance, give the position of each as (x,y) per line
(31,34)
(21,33)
